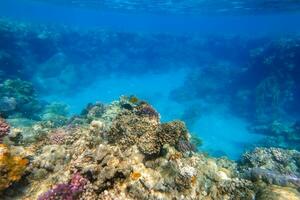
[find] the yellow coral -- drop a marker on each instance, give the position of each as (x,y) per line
(11,167)
(175,156)
(135,175)
(193,180)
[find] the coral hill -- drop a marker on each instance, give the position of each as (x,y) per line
(122,151)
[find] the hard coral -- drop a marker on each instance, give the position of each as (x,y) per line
(172,132)
(93,111)
(11,167)
(4,128)
(142,128)
(274,159)
(185,146)
(66,191)
(58,137)
(144,109)
(127,128)
(77,182)
(135,176)
(60,191)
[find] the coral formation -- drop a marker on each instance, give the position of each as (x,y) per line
(273,166)
(58,136)
(69,191)
(93,111)
(19,98)
(126,155)
(11,167)
(141,126)
(4,128)
(275,159)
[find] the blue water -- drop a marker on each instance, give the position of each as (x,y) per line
(154,76)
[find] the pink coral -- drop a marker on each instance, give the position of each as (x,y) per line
(4,128)
(58,137)
(78,182)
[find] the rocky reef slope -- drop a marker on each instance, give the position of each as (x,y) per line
(123,151)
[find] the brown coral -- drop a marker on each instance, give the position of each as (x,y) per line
(127,128)
(144,130)
(11,167)
(171,132)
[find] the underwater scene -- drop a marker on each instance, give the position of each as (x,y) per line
(149,100)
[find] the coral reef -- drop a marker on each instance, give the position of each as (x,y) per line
(93,111)
(58,136)
(12,167)
(123,151)
(126,155)
(273,166)
(18,98)
(65,191)
(140,126)
(283,161)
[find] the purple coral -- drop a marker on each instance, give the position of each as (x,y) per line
(146,110)
(185,146)
(69,191)
(77,183)
(4,128)
(60,191)
(272,177)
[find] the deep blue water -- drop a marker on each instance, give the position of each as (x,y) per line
(154,52)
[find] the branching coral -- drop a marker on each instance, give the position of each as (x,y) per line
(58,136)
(66,191)
(11,167)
